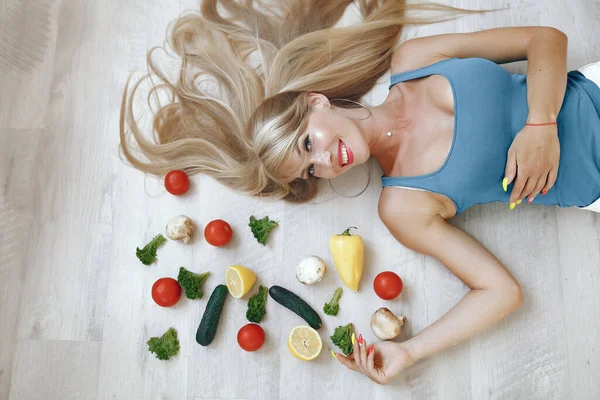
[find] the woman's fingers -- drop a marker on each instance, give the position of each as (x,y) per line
(529,186)
(362,359)
(367,362)
(360,353)
(363,354)
(376,374)
(347,361)
(538,188)
(518,187)
(356,351)
(533,156)
(550,181)
(532,186)
(371,360)
(510,171)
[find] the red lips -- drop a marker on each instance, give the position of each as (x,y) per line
(348,151)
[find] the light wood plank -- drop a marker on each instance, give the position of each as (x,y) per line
(27,39)
(55,370)
(74,187)
(17,155)
(579,235)
(214,398)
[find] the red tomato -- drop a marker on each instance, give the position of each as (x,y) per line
(177,182)
(387,285)
(166,292)
(251,337)
(218,233)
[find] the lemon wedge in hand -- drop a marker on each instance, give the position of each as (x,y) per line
(239,280)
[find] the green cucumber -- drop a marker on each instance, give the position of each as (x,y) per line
(294,303)
(210,320)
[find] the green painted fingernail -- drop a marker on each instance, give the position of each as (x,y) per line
(505,184)
(333,354)
(519,202)
(512,206)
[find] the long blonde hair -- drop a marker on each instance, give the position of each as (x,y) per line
(243,135)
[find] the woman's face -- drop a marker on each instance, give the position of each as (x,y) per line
(331,144)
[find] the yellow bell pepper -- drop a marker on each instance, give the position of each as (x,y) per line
(348,253)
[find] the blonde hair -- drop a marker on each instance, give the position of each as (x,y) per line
(244,135)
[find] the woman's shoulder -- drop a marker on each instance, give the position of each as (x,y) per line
(408,215)
(410,56)
(398,204)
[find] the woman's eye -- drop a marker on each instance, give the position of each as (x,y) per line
(311,170)
(307,145)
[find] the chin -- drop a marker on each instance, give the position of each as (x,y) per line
(352,166)
(361,159)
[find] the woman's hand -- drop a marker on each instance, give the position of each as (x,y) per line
(533,158)
(380,362)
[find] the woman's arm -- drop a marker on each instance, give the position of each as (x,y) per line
(533,159)
(546,75)
(494,292)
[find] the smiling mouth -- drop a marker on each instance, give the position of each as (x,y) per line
(345,156)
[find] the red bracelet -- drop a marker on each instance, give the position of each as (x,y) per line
(549,123)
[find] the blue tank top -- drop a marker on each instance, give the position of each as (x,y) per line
(490,108)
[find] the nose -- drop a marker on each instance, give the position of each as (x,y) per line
(325,158)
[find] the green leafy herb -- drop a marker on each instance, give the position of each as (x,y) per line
(192,283)
(256,305)
(261,228)
(166,346)
(147,255)
(333,307)
(342,338)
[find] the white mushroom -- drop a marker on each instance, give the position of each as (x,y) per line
(385,325)
(180,227)
(310,270)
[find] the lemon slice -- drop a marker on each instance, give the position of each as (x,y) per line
(239,280)
(305,343)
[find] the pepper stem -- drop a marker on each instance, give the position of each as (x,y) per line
(347,231)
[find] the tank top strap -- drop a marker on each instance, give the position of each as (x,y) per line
(417,73)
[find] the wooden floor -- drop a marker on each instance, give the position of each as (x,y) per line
(75,305)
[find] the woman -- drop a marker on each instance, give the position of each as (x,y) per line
(455,130)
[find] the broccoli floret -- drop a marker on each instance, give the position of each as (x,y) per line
(333,307)
(147,255)
(261,228)
(166,346)
(342,338)
(256,305)
(192,283)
